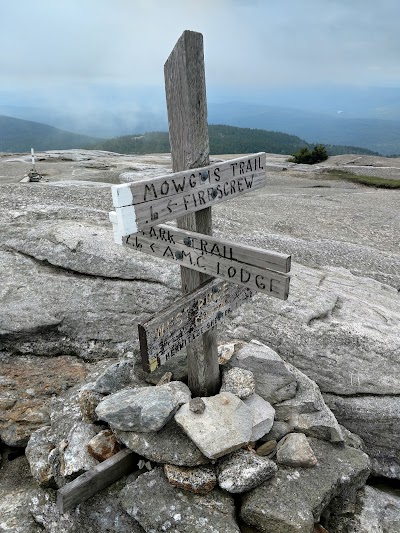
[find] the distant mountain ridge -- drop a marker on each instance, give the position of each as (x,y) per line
(223,140)
(17,135)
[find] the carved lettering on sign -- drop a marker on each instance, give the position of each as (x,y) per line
(169,331)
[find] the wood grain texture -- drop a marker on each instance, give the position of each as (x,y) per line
(185,89)
(230,262)
(93,481)
(173,328)
(164,208)
(169,185)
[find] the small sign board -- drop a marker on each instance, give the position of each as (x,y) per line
(169,331)
(256,269)
(155,200)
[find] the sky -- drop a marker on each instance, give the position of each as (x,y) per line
(52,48)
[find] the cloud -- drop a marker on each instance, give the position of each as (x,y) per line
(247,43)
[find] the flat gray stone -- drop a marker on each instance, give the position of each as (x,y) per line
(295,450)
(243,470)
(158,506)
(293,500)
(274,382)
(143,409)
(224,426)
(263,416)
(168,445)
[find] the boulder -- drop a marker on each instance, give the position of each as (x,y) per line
(307,411)
(294,499)
(168,445)
(376,511)
(295,450)
(115,377)
(224,426)
(143,409)
(244,470)
(158,506)
(37,452)
(376,419)
(274,382)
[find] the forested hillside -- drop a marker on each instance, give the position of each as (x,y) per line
(18,135)
(223,140)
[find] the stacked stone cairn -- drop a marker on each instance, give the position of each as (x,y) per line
(265,454)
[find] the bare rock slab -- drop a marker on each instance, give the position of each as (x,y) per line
(274,382)
(293,499)
(243,470)
(143,409)
(158,506)
(169,445)
(224,426)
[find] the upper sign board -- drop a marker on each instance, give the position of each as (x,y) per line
(145,203)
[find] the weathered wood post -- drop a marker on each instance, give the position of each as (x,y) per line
(185,88)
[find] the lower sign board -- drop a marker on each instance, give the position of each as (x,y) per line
(169,331)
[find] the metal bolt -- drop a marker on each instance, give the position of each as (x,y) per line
(220,314)
(187,241)
(204,175)
(214,193)
(179,255)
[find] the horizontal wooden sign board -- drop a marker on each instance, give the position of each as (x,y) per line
(169,331)
(148,202)
(256,269)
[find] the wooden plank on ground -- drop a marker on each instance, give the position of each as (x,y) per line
(173,328)
(100,477)
(145,203)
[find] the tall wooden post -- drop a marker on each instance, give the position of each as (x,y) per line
(185,88)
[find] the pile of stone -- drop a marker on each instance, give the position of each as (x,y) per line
(266,454)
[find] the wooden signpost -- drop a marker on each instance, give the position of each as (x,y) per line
(188,195)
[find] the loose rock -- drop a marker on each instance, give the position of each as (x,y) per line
(243,470)
(37,451)
(76,459)
(88,401)
(114,378)
(199,480)
(294,450)
(144,409)
(103,445)
(274,382)
(196,405)
(266,449)
(238,381)
(224,426)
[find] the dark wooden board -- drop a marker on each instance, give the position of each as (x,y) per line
(93,481)
(176,326)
